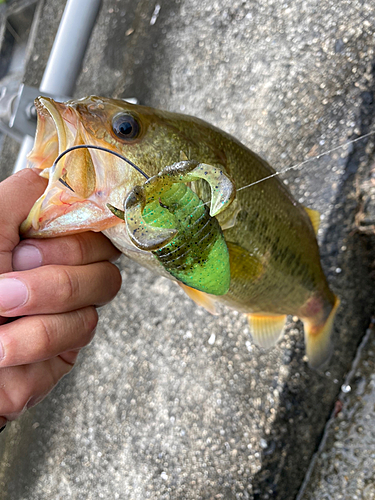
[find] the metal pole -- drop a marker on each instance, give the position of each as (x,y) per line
(26,147)
(69,47)
(65,60)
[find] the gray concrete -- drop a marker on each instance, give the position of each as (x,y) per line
(169,402)
(345,465)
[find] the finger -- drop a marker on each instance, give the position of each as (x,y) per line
(18,193)
(37,338)
(56,289)
(73,250)
(24,386)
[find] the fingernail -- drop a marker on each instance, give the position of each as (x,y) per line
(26,257)
(13,293)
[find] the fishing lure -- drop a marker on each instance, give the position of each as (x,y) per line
(164,216)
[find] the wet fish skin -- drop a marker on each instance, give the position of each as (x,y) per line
(274,255)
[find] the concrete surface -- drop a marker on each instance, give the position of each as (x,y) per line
(169,402)
(344,468)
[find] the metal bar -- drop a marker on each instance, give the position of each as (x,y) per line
(5,129)
(65,60)
(69,47)
(26,147)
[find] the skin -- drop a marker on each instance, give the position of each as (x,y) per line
(71,278)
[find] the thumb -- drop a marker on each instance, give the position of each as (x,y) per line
(18,194)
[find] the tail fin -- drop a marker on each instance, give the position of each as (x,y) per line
(318,338)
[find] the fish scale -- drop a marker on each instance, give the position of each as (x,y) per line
(274,259)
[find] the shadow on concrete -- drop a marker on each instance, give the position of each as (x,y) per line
(289,450)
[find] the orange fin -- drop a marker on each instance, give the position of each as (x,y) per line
(314,216)
(266,330)
(200,298)
(318,338)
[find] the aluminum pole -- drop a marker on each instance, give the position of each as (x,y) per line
(69,47)
(65,60)
(26,147)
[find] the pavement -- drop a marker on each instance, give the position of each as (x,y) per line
(169,402)
(345,463)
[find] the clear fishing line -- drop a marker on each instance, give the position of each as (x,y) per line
(275,174)
(308,160)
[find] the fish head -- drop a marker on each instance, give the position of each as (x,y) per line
(84,181)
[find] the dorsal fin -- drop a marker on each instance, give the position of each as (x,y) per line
(314,216)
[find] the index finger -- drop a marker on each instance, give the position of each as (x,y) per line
(71,250)
(18,194)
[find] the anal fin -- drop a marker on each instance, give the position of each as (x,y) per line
(200,298)
(266,329)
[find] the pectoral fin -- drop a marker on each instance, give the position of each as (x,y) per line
(200,298)
(266,330)
(314,216)
(243,265)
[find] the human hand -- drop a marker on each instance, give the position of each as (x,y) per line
(49,290)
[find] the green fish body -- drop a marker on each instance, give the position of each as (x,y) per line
(274,260)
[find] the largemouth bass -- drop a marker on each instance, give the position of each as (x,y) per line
(269,238)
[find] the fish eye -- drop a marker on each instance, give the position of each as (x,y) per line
(125,127)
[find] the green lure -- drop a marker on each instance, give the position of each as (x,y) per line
(166,217)
(198,255)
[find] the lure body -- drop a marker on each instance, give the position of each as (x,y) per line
(167,218)
(274,258)
(198,255)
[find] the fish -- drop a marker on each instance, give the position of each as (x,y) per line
(270,247)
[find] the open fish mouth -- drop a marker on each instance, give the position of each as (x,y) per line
(52,135)
(73,200)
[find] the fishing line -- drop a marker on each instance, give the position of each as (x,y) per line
(275,174)
(298,165)
(100,148)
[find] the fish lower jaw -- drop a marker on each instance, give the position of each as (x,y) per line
(77,217)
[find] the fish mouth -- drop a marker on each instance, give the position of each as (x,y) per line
(52,135)
(72,201)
